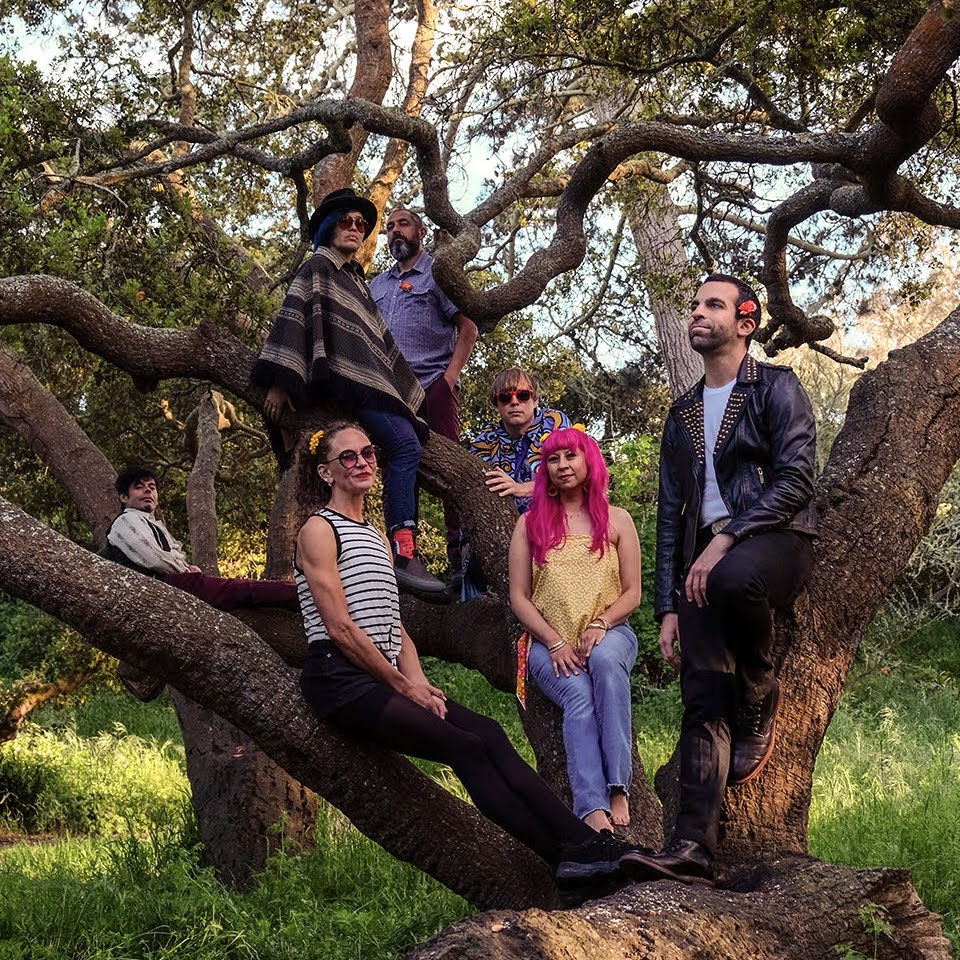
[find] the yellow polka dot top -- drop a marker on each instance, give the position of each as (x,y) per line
(575,585)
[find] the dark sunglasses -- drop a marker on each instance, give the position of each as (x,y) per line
(522,395)
(349,458)
(345,223)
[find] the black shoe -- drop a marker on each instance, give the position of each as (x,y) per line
(412,575)
(752,738)
(683,860)
(597,857)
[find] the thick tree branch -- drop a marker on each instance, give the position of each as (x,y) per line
(49,430)
(207,655)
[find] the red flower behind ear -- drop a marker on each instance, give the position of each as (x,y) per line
(746,308)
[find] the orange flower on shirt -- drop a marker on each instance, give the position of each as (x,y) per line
(406,286)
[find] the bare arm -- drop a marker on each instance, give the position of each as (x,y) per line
(317,556)
(408,662)
(564,658)
(628,551)
(466,338)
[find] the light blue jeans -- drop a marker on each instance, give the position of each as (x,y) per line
(597,731)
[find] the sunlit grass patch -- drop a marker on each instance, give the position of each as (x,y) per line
(149,898)
(59,781)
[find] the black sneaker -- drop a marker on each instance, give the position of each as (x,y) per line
(683,860)
(597,857)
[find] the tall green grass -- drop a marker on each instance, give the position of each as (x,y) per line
(54,779)
(887,781)
(886,793)
(148,898)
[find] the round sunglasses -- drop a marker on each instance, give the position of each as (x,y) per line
(350,458)
(345,223)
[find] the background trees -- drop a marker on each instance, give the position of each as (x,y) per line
(156,183)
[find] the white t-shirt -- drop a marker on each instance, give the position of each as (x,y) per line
(715,400)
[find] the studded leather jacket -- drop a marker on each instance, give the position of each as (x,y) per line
(764,458)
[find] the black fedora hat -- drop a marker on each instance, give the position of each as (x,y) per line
(345,199)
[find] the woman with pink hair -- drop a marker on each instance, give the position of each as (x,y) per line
(574,581)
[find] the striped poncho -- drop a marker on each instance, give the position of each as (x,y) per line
(329,338)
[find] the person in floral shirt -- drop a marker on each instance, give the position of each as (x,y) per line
(511,448)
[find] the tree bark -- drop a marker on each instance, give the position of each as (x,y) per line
(876,498)
(222,665)
(792,908)
(246,805)
(49,430)
(666,270)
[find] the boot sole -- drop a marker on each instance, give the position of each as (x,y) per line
(643,871)
(576,873)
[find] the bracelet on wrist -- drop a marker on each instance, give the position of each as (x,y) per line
(557,646)
(599,622)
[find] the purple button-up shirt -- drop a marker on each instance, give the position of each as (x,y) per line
(420,317)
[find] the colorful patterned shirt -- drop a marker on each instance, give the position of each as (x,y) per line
(520,458)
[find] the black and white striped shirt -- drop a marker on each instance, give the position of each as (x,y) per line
(369,585)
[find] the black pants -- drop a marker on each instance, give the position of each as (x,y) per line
(505,788)
(725,660)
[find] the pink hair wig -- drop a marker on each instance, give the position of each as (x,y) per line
(546,521)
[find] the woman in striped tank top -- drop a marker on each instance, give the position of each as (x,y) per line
(574,581)
(363,674)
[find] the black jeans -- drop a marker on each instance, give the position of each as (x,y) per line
(505,788)
(726,660)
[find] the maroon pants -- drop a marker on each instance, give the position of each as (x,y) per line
(441,408)
(229,594)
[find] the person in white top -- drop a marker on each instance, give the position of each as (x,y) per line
(140,540)
(735,521)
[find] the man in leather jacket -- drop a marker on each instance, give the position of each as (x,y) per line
(734,528)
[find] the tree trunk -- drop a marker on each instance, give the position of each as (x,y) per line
(793,908)
(666,271)
(246,806)
(876,498)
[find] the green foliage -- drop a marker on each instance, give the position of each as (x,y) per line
(60,781)
(887,780)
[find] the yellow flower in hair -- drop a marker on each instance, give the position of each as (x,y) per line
(315,442)
(578,426)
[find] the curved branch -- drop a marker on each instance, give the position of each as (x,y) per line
(49,430)
(207,655)
(147,354)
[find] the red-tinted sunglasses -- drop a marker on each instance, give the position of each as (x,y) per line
(504,396)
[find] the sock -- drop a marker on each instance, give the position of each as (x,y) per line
(403,542)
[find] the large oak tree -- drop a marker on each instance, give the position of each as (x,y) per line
(794,150)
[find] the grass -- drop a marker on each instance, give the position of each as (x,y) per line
(91,773)
(887,781)
(886,792)
(148,898)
